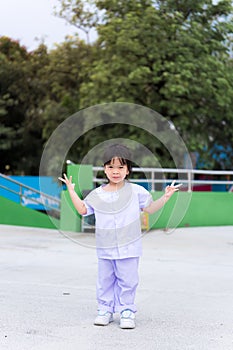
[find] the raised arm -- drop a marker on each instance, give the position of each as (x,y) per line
(159,203)
(78,202)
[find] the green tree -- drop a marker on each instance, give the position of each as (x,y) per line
(13,104)
(171,56)
(84,15)
(69,67)
(23,87)
(38,90)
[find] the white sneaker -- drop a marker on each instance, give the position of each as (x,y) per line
(103,318)
(127,319)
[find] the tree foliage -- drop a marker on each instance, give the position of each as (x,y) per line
(37,92)
(173,56)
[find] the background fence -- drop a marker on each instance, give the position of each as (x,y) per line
(192,179)
(205,199)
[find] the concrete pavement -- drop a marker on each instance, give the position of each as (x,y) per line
(47,292)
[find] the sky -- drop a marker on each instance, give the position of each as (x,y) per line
(31,21)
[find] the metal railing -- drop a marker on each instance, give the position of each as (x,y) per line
(186,176)
(44,199)
(153,176)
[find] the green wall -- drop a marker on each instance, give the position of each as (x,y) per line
(82,176)
(194,209)
(182,210)
(12,213)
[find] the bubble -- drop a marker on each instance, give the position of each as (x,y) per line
(116,115)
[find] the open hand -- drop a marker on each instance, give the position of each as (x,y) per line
(67,181)
(172,189)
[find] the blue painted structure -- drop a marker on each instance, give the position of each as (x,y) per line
(50,187)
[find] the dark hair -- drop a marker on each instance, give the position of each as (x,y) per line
(118,151)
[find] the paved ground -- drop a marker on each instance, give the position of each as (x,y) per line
(47,292)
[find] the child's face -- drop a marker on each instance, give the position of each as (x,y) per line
(115,171)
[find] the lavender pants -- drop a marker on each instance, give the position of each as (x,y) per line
(116,284)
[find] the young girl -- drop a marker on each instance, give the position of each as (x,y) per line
(117,206)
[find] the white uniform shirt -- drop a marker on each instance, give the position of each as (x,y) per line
(117,220)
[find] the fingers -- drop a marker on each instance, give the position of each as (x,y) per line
(176,186)
(173,183)
(179,185)
(173,188)
(65,179)
(61,179)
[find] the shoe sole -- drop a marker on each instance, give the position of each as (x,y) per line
(102,324)
(127,326)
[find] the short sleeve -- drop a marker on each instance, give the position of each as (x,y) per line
(144,196)
(89,207)
(90,210)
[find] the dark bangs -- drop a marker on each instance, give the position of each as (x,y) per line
(118,151)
